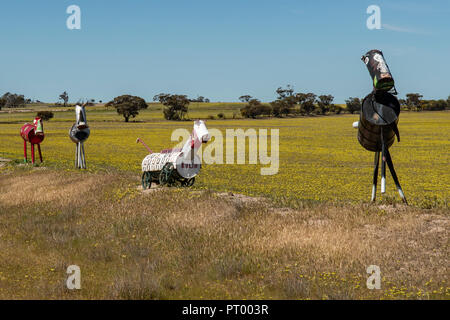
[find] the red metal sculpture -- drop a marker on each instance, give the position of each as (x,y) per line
(34,134)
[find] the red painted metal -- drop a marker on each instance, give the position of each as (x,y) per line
(40,153)
(34,134)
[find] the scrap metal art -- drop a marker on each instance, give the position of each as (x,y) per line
(78,134)
(34,134)
(175,166)
(377,125)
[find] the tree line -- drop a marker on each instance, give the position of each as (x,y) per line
(14,100)
(287,103)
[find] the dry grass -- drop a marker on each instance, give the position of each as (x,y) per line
(173,244)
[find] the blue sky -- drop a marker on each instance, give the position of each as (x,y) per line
(219,49)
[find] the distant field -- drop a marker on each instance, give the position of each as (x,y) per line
(102,113)
(320,158)
(99,112)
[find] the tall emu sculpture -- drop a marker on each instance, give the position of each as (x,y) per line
(377,125)
(79,133)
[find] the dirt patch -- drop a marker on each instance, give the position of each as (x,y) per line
(241,198)
(154,188)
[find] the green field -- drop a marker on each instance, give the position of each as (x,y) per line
(320,157)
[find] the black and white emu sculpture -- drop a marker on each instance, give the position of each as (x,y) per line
(377,125)
(79,133)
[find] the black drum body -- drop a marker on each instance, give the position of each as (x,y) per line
(378,118)
(79,135)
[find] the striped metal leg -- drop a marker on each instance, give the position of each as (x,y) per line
(383,163)
(394,176)
(83,157)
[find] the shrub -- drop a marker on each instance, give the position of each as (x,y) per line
(414,101)
(45,115)
(324,103)
(353,105)
(253,109)
(282,106)
(276,108)
(435,105)
(336,109)
(306,101)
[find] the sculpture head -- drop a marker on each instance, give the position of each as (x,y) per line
(80,130)
(38,127)
(201,132)
(199,135)
(81,121)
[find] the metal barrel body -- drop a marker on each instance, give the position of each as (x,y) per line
(28,134)
(156,161)
(186,168)
(79,135)
(379,112)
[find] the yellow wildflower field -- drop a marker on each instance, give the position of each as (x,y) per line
(320,158)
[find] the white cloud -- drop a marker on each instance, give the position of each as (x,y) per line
(402,29)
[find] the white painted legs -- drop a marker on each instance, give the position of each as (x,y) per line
(80,158)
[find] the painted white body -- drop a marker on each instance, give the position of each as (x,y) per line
(156,161)
(186,162)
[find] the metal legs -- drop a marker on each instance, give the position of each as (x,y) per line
(24,151)
(80,158)
(383,163)
(383,169)
(32,153)
(386,158)
(40,153)
(375,176)
(394,176)
(25,159)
